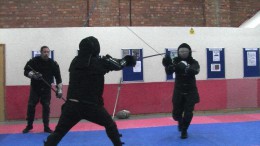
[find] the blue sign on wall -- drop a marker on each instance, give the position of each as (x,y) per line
(173,53)
(215,63)
(251,62)
(133,73)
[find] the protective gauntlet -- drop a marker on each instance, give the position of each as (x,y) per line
(167,61)
(128,60)
(59,90)
(182,67)
(120,63)
(35,75)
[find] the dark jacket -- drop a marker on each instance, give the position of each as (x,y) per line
(185,80)
(86,83)
(48,69)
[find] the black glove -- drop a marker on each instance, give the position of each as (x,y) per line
(108,56)
(167,61)
(169,69)
(182,67)
(130,60)
(35,75)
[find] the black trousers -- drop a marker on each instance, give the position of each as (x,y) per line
(73,112)
(183,107)
(39,95)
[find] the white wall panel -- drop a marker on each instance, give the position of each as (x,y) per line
(64,41)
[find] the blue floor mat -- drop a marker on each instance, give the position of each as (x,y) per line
(222,134)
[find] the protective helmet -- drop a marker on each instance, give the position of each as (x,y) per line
(184,45)
(89,46)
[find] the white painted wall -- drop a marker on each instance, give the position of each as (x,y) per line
(64,41)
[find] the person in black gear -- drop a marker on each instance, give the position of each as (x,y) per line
(86,85)
(185,94)
(40,69)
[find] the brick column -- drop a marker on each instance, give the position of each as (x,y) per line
(217,13)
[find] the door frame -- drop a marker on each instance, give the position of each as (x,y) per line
(2,82)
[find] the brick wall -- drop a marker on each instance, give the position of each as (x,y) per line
(217,13)
(77,13)
(167,13)
(243,10)
(42,13)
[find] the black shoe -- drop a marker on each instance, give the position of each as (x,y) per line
(184,134)
(48,130)
(27,129)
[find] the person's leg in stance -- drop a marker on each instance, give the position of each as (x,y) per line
(187,118)
(45,101)
(33,100)
(104,119)
(178,109)
(69,117)
(177,116)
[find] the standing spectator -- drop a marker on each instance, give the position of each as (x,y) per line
(40,69)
